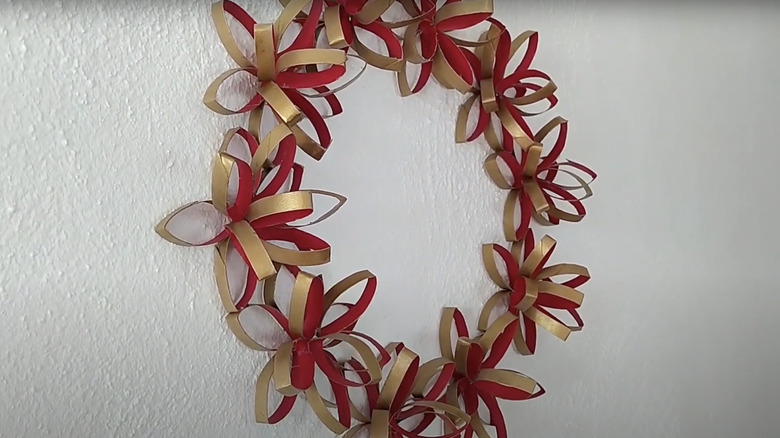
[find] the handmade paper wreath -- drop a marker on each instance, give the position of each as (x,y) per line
(354,385)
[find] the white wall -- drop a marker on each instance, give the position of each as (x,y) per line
(106,330)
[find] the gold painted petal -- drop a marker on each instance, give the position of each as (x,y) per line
(298,302)
(380,424)
(488,95)
(403,364)
(222,168)
(268,145)
(520,344)
(559,330)
(373,10)
(543,93)
(545,130)
(292,10)
(491,267)
(540,252)
(447,77)
(226,37)
(304,57)
(494,172)
(257,329)
(239,150)
(563,269)
(320,408)
(533,157)
(510,211)
(411,53)
(193,224)
(488,338)
(508,378)
(427,373)
(210,97)
(334,31)
(519,41)
(262,390)
(280,103)
(479,427)
(560,215)
(509,123)
(462,348)
(265,51)
(340,201)
(531,295)
(364,354)
(297,257)
(376,59)
(445,333)
(497,299)
(281,203)
(283,371)
(254,248)
(359,431)
(344,285)
(567,293)
(334,90)
(461,136)
(231,273)
(541,220)
(535,193)
(465,7)
(307,144)
(492,138)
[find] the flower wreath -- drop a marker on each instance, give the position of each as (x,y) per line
(257,203)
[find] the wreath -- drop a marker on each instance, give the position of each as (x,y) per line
(258,212)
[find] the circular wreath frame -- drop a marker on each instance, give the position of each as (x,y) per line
(373,390)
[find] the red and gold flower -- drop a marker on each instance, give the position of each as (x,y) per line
(302,334)
(503,93)
(441,54)
(406,403)
(534,183)
(280,75)
(476,380)
(529,291)
(251,208)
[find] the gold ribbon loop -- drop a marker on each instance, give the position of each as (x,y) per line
(254,248)
(265,51)
(287,202)
(340,201)
(537,256)
(298,301)
(320,408)
(296,257)
(280,103)
(226,37)
(220,180)
(464,7)
(344,285)
(492,268)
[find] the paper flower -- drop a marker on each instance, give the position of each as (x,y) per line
(528,290)
(534,183)
(441,54)
(302,334)
(280,75)
(343,17)
(250,209)
(405,404)
(503,93)
(476,380)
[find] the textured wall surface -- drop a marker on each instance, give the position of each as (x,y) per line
(107,330)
